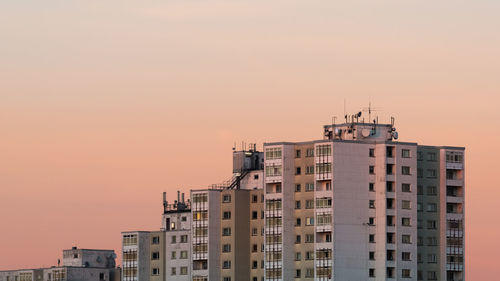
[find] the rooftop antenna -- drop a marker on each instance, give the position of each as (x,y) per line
(369,109)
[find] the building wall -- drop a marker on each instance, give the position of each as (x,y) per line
(89,258)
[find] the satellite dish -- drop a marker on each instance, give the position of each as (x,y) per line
(365,133)
(395,135)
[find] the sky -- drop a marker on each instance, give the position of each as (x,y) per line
(106,104)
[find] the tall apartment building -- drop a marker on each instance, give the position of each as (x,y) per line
(346,208)
(228,224)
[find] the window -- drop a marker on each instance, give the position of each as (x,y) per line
(184,238)
(254,248)
(298,273)
(184,218)
(226,264)
(309,238)
(420,190)
(256,177)
(255,264)
(226,231)
(371,152)
(389,151)
(155,240)
(389,186)
(419,207)
(173,255)
(323,150)
(255,215)
(371,238)
(390,220)
(431,275)
(155,256)
(405,187)
(226,248)
(184,255)
(405,170)
(255,232)
(371,170)
(273,171)
(431,173)
(297,187)
(309,186)
(184,270)
(432,241)
(23,278)
(310,220)
(405,204)
(431,207)
(390,203)
(371,255)
(298,170)
(431,258)
(405,256)
(322,168)
(297,153)
(309,204)
(431,156)
(173,271)
(273,153)
(371,272)
(297,239)
(227,279)
(371,204)
(431,224)
(390,238)
(309,255)
(431,190)
(226,215)
(390,169)
(309,170)
(297,222)
(309,272)
(390,272)
(310,152)
(405,153)
(226,198)
(371,186)
(390,255)
(297,204)
(405,221)
(406,239)
(405,273)
(298,256)
(255,198)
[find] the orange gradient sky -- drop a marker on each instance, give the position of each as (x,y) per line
(106,104)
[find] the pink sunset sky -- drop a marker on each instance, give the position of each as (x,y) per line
(106,104)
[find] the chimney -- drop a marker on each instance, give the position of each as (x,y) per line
(178,196)
(183,198)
